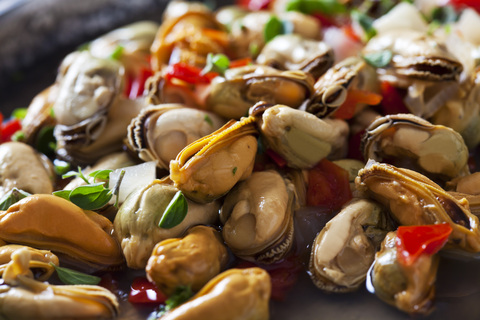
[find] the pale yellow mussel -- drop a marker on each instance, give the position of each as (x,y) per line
(258,217)
(158,133)
(208,168)
(413,199)
(235,294)
(410,288)
(189,261)
(23,297)
(299,137)
(233,94)
(40,260)
(136,223)
(332,88)
(411,142)
(345,248)
(293,52)
(77,236)
(22,167)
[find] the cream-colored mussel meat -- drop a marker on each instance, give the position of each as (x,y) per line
(235,294)
(344,250)
(22,297)
(160,132)
(136,223)
(258,217)
(189,261)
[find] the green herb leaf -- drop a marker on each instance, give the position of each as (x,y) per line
(180,296)
(365,22)
(19,113)
(44,140)
(100,174)
(253,49)
(444,15)
(78,173)
(208,120)
(18,136)
(61,167)
(328,7)
(91,197)
(175,212)
(11,197)
(216,63)
(379,59)
(65,194)
(273,28)
(234,170)
(117,53)
(69,276)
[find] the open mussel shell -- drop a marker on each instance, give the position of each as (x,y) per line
(189,261)
(408,141)
(344,250)
(258,217)
(160,132)
(413,199)
(22,297)
(299,137)
(53,223)
(233,94)
(293,52)
(136,223)
(409,288)
(208,168)
(24,168)
(235,294)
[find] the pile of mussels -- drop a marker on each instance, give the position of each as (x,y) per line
(365,112)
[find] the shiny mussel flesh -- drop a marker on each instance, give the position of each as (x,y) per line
(208,168)
(258,217)
(160,132)
(232,95)
(413,199)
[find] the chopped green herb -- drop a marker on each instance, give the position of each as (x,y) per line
(208,120)
(11,197)
(52,113)
(19,113)
(175,212)
(45,141)
(216,63)
(180,296)
(91,197)
(84,46)
(273,28)
(65,194)
(253,49)
(379,59)
(444,15)
(18,136)
(365,22)
(100,174)
(234,170)
(327,7)
(432,27)
(78,173)
(69,276)
(117,53)
(61,167)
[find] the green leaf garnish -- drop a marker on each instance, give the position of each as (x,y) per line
(273,28)
(218,63)
(327,7)
(253,49)
(78,173)
(234,170)
(19,113)
(117,53)
(65,194)
(175,212)
(61,167)
(444,15)
(208,120)
(91,197)
(180,296)
(18,136)
(44,140)
(69,276)
(365,22)
(379,59)
(100,174)
(11,197)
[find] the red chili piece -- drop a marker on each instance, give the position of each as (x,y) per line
(188,73)
(143,291)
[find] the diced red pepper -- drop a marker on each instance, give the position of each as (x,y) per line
(347,109)
(328,186)
(350,32)
(279,161)
(461,4)
(392,102)
(254,5)
(188,73)
(9,128)
(325,21)
(413,241)
(240,62)
(143,291)
(137,84)
(354,146)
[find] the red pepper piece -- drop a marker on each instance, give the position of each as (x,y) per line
(392,102)
(137,85)
(461,4)
(143,291)
(413,241)
(9,128)
(188,73)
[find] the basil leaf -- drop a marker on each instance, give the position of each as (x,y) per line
(379,59)
(19,113)
(234,170)
(117,53)
(273,28)
(365,22)
(328,7)
(44,140)
(78,173)
(218,63)
(100,174)
(90,197)
(11,197)
(69,276)
(65,194)
(175,212)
